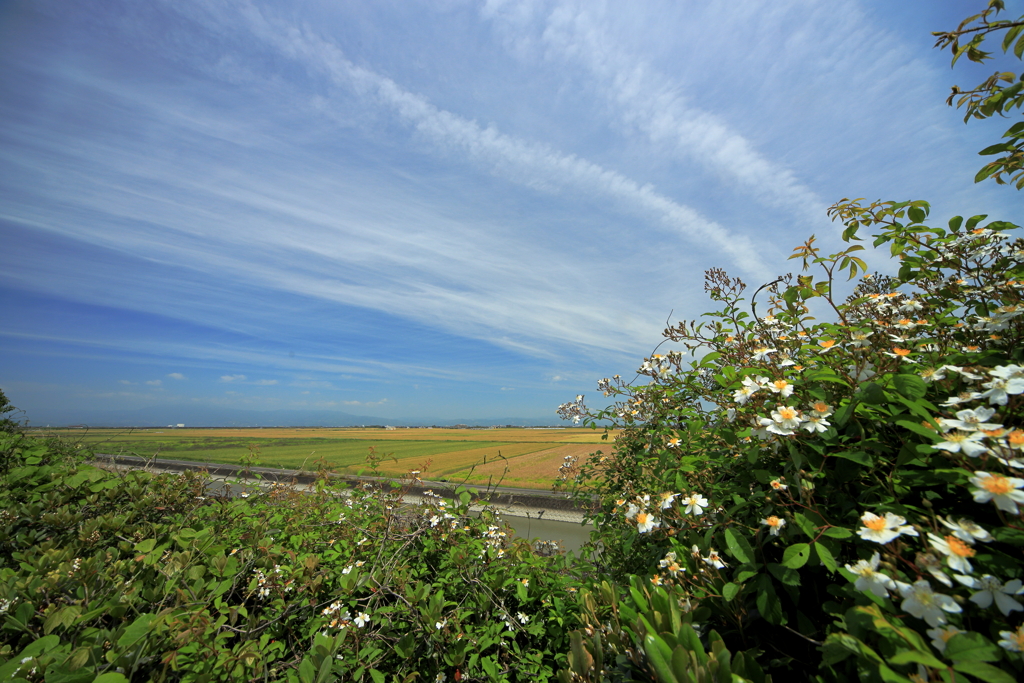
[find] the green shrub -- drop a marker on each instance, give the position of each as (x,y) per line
(138,576)
(838,492)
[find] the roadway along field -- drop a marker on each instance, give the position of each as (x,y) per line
(527,458)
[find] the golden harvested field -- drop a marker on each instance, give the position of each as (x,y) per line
(531,456)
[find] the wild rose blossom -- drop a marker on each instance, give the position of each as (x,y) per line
(883,529)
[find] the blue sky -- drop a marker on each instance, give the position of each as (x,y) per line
(447,209)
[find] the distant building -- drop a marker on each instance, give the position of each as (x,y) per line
(389,428)
(180,425)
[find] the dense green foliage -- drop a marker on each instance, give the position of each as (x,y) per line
(135,576)
(804,483)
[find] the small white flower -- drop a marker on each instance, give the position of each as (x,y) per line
(743,394)
(781,387)
(930,563)
(883,529)
(971,420)
(989,589)
(941,636)
(667,498)
(695,504)
(646,522)
(523,619)
(970,444)
(966,530)
(761,353)
(815,424)
(1003,491)
(956,551)
(783,421)
(440,624)
(774,524)
(869,579)
(922,602)
(714,560)
(362,619)
(1012,640)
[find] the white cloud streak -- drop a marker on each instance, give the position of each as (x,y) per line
(648,102)
(529,163)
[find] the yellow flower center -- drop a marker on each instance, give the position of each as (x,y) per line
(787,413)
(827,343)
(772,521)
(959,548)
(821,407)
(876,524)
(997,484)
(906,321)
(780,384)
(642,518)
(901,352)
(1016,438)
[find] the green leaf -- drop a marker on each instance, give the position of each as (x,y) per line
(768,603)
(996,149)
(136,631)
(659,655)
(916,214)
(785,575)
(837,532)
(377,676)
(930,434)
(826,557)
(912,657)
(806,525)
(871,394)
(971,647)
(796,555)
(743,575)
(730,591)
(307,673)
(738,546)
(910,386)
(974,220)
(111,677)
(985,672)
(858,457)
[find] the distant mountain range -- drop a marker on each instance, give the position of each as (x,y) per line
(196,416)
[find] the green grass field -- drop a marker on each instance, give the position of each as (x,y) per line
(526,458)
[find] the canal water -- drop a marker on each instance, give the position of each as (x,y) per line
(569,535)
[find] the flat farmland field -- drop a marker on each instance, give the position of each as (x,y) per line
(527,458)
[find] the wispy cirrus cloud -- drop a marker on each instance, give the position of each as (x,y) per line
(646,101)
(530,163)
